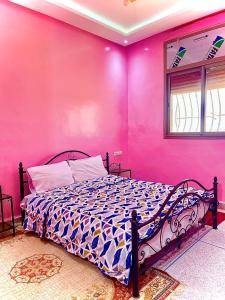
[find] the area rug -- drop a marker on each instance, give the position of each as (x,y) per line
(37,269)
(220,218)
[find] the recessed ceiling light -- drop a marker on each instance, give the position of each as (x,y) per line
(107,48)
(146,49)
(125,41)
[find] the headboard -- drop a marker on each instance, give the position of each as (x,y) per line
(65,155)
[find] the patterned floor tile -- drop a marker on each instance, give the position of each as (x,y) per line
(221,226)
(189,293)
(216,237)
(200,270)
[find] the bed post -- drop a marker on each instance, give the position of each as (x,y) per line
(134,269)
(215,202)
(107,161)
(21,172)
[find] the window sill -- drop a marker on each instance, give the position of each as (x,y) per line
(195,136)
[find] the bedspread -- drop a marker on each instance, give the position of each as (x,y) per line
(92,218)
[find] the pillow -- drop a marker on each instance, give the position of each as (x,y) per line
(49,177)
(88,168)
(30,184)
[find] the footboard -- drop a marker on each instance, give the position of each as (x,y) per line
(183,207)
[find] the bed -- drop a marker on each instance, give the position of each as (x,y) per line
(122,225)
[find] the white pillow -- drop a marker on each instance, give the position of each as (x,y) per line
(51,176)
(88,168)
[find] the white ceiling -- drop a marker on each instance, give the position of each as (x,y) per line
(119,20)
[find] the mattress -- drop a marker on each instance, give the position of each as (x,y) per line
(91,219)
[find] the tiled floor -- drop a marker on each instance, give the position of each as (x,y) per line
(201,268)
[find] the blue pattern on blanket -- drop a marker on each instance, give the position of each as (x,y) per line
(92,218)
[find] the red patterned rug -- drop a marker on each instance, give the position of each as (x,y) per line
(155,284)
(221,218)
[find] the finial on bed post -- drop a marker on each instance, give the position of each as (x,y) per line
(135,237)
(107,161)
(215,202)
(21,172)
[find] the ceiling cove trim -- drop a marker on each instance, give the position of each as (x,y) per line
(83,11)
(91,15)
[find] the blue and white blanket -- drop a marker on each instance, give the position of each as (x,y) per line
(92,218)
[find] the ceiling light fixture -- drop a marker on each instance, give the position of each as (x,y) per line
(125,41)
(126,2)
(107,48)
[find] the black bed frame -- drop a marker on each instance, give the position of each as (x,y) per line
(210,203)
(209,200)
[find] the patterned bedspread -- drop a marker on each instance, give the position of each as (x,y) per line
(92,219)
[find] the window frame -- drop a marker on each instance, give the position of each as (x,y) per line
(183,135)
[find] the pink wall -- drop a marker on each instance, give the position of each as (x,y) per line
(150,155)
(59,89)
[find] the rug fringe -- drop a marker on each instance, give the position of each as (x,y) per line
(177,293)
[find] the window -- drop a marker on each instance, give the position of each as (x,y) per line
(215,100)
(196,102)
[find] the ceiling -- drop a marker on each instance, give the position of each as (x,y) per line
(124,21)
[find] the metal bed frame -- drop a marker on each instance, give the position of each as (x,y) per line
(209,202)
(171,216)
(68,155)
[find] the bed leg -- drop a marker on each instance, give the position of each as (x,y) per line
(135,269)
(179,242)
(22,216)
(143,270)
(215,203)
(21,173)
